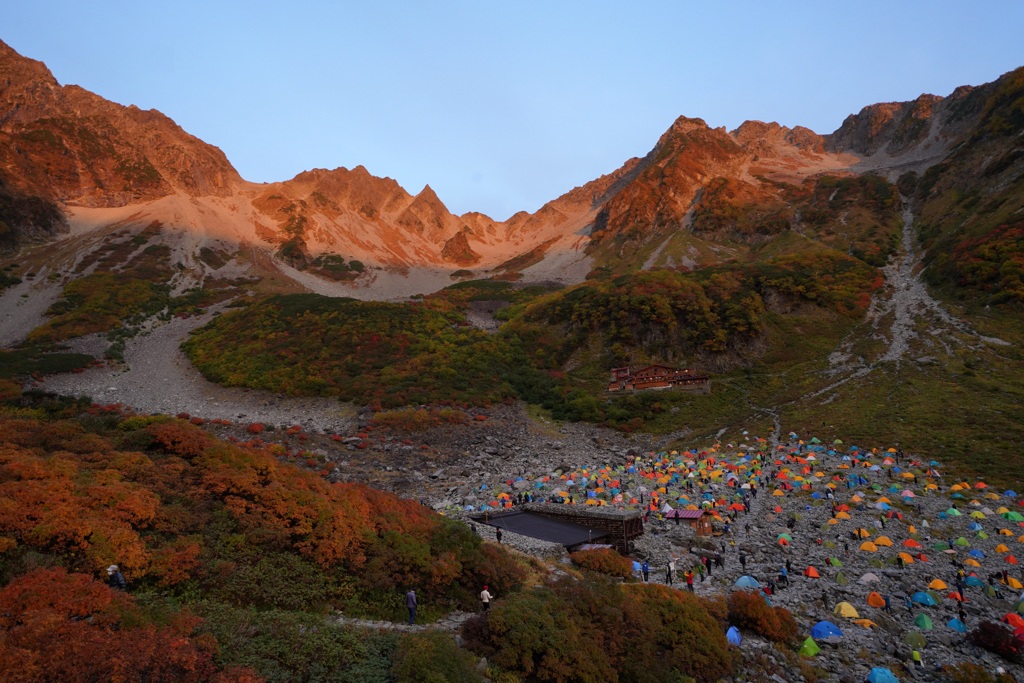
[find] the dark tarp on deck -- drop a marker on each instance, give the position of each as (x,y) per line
(544,528)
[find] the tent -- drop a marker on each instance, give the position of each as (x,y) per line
(923,598)
(923,622)
(907,558)
(809,648)
(882,675)
(869,578)
(957,625)
(825,629)
(845,609)
(938,584)
(875,599)
(747,582)
(866,623)
(915,640)
(869,547)
(733,636)
(811,572)
(883,541)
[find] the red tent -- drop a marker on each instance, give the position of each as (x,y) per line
(812,573)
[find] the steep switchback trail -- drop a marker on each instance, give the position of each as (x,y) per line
(902,313)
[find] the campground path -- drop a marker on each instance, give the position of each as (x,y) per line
(156,377)
(452,622)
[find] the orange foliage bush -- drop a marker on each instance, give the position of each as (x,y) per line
(68,627)
(749,611)
(605,561)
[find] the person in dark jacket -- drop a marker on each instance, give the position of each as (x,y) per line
(115,579)
(410,603)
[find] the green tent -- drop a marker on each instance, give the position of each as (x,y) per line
(952,512)
(982,535)
(1013,516)
(935,596)
(876,564)
(837,442)
(1019,607)
(842,580)
(962,542)
(915,640)
(941,546)
(809,648)
(990,590)
(834,561)
(923,622)
(814,439)
(831,544)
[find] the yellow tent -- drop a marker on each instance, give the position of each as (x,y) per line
(778,492)
(1001,548)
(856,499)
(832,521)
(1005,532)
(845,609)
(931,487)
(866,623)
(938,585)
(908,475)
(971,562)
(991,496)
(883,499)
(883,541)
(956,487)
(1020,539)
(1014,583)
(862,533)
(907,559)
(1002,509)
(843,515)
(869,547)
(911,529)
(978,514)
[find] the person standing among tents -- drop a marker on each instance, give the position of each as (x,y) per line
(743,561)
(888,605)
(700,568)
(646,569)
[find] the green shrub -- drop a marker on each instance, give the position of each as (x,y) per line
(433,657)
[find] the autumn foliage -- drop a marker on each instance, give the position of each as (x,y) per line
(604,561)
(69,627)
(749,611)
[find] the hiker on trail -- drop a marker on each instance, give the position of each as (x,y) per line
(743,561)
(646,569)
(485,598)
(888,605)
(689,579)
(115,579)
(410,604)
(497,535)
(700,568)
(668,575)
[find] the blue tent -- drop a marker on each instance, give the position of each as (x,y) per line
(973,582)
(733,636)
(1010,493)
(882,675)
(825,629)
(974,526)
(957,625)
(637,566)
(923,598)
(747,582)
(977,553)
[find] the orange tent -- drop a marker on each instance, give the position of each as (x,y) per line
(811,572)
(911,543)
(875,599)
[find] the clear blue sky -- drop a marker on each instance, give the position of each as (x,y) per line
(502,106)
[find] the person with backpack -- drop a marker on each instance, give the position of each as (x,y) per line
(115,579)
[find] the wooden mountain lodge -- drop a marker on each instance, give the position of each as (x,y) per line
(658,377)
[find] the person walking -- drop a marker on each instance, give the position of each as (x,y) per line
(743,561)
(668,575)
(115,579)
(485,598)
(410,604)
(646,569)
(497,535)
(689,580)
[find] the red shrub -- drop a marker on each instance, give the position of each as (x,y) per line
(604,561)
(749,611)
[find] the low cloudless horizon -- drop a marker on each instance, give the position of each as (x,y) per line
(501,107)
